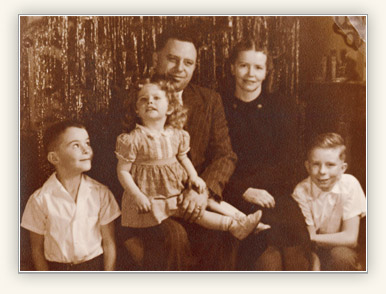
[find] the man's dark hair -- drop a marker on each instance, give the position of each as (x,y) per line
(177,33)
(53,132)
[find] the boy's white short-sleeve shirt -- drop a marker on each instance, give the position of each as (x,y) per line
(71,229)
(326,210)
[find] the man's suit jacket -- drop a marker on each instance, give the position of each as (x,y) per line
(211,150)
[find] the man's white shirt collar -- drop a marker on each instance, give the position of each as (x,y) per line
(179,95)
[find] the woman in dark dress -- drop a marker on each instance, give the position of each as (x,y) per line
(262,128)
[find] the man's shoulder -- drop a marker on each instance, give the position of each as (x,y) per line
(200,90)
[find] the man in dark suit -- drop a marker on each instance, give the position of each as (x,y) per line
(185,246)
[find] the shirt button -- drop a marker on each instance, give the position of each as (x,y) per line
(259,106)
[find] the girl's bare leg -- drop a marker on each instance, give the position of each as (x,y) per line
(224,208)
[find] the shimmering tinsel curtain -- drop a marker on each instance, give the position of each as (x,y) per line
(75,66)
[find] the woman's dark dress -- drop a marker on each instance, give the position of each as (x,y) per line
(264,137)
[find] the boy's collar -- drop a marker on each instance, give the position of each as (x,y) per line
(53,184)
(179,96)
(316,191)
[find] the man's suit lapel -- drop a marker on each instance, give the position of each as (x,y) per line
(191,97)
(193,102)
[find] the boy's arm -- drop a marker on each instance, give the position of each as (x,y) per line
(347,237)
(315,262)
(37,247)
(109,247)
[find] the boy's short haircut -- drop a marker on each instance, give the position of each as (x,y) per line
(177,33)
(328,140)
(53,132)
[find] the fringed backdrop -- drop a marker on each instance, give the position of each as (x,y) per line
(79,66)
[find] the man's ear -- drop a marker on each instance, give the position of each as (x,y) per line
(232,69)
(155,59)
(52,157)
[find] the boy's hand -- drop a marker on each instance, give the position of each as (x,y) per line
(142,203)
(198,184)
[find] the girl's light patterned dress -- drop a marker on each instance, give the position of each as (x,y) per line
(156,171)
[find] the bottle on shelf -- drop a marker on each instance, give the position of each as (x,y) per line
(334,62)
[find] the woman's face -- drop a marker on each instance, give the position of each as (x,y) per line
(250,70)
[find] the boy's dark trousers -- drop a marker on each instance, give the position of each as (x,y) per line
(339,258)
(95,264)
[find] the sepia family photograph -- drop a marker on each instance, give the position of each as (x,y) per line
(193,143)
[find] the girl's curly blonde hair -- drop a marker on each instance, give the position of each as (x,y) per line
(178,116)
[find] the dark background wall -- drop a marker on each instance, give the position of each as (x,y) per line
(82,67)
(335,102)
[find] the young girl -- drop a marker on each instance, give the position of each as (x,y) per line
(154,169)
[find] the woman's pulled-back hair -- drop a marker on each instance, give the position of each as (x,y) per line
(178,116)
(247,45)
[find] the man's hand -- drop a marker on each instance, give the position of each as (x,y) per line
(259,197)
(194,205)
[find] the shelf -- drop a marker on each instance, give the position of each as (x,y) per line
(356,83)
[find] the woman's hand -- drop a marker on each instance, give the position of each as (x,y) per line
(259,197)
(142,203)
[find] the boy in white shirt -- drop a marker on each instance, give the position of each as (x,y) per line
(71,217)
(332,204)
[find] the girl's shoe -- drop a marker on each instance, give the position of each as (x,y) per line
(242,227)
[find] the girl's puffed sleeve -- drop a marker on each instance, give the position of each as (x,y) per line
(184,145)
(126,147)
